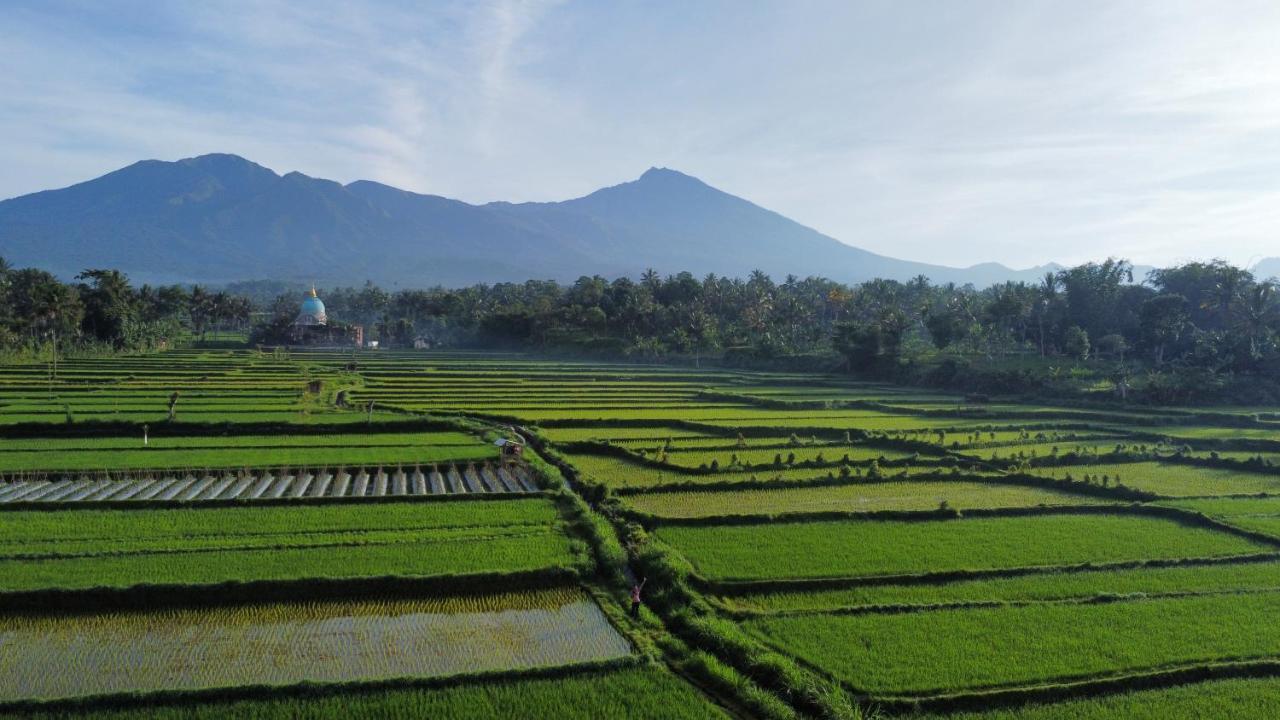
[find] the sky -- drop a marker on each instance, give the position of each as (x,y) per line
(948,132)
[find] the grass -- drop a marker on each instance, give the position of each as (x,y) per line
(65,656)
(857,497)
(870,548)
(1172,480)
(949,650)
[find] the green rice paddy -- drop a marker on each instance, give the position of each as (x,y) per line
(1030,581)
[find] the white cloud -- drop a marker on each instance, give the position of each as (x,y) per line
(1022,132)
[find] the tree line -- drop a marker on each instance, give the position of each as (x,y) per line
(102,310)
(1180,330)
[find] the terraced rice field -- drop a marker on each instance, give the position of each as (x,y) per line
(1172,480)
(116,453)
(918,495)
(982,568)
(1052,584)
(277,484)
(625,473)
(626,693)
(56,656)
(91,548)
(892,547)
(1247,698)
(964,649)
(1089,449)
(781,456)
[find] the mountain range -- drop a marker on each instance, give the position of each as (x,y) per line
(221,218)
(1269,268)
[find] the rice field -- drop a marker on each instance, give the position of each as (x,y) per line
(121,548)
(60,656)
(1051,585)
(859,548)
(169,453)
(249,485)
(1036,581)
(1256,514)
(963,649)
(775,457)
(1171,479)
(619,472)
(1237,699)
(869,496)
(631,693)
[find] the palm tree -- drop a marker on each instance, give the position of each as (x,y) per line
(1258,314)
(219,310)
(48,301)
(1048,296)
(1232,283)
(198,307)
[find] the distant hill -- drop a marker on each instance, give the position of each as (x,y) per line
(1269,268)
(221,218)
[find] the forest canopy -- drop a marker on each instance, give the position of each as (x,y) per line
(1185,333)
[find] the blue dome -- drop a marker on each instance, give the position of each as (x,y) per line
(312,306)
(312,311)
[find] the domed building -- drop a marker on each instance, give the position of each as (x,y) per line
(312,328)
(311,313)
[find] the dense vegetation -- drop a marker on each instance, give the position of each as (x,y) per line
(1189,333)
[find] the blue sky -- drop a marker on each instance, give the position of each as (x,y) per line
(952,132)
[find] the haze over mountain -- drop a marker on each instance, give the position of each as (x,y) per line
(220,218)
(1268,268)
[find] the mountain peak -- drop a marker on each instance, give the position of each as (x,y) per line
(222,162)
(210,158)
(220,217)
(1267,268)
(666,175)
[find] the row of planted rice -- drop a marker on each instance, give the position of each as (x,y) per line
(189,386)
(85,546)
(275,484)
(878,535)
(486,521)
(895,598)
(152,449)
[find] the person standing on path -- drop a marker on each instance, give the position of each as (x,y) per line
(635,597)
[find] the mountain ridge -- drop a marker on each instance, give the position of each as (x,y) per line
(1267,268)
(220,218)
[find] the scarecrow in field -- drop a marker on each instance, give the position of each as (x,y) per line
(635,597)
